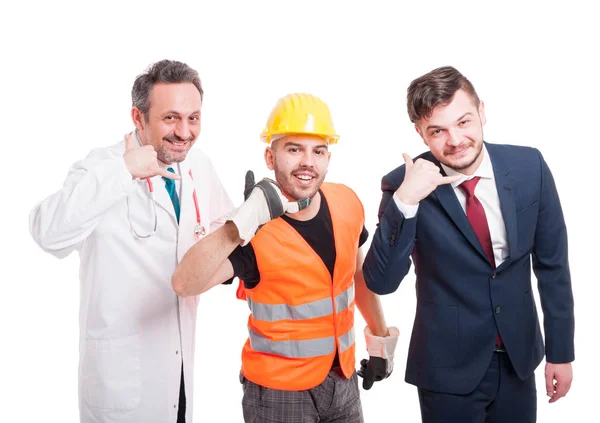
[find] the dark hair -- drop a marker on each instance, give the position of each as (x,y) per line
(165,71)
(434,89)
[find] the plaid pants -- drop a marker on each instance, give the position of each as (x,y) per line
(336,400)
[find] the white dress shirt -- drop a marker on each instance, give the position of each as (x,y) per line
(487,194)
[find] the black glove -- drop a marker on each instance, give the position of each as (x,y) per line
(373,370)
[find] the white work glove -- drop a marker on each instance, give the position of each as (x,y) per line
(381,357)
(264,202)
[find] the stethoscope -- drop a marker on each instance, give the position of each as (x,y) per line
(199,230)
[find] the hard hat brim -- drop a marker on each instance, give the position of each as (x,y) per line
(269,138)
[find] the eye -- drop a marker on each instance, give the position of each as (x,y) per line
(436,131)
(194,118)
(294,149)
(464,122)
(321,152)
(170,118)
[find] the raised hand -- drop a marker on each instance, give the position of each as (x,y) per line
(420,179)
(141,162)
(264,201)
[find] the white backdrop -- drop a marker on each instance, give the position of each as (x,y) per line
(66,74)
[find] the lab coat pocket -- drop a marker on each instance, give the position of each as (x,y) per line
(111,373)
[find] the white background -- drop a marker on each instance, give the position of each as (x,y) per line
(66,74)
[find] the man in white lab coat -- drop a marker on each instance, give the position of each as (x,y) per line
(132,210)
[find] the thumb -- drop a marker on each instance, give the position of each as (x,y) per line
(249,185)
(130,142)
(408,161)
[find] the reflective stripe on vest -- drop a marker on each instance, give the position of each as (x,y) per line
(314,309)
(300,349)
(347,340)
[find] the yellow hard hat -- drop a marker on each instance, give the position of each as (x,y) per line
(300,114)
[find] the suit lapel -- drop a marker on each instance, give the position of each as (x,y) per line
(447,198)
(505,186)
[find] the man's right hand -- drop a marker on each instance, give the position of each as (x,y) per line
(141,162)
(420,179)
(264,202)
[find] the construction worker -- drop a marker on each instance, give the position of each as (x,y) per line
(301,275)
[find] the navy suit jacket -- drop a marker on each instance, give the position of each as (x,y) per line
(462,302)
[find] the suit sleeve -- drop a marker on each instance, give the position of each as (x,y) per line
(551,268)
(388,260)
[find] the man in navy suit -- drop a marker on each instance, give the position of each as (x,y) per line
(475,217)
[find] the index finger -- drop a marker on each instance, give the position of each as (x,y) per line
(550,385)
(561,390)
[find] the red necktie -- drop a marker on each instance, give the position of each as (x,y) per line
(477,219)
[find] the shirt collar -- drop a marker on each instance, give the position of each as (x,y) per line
(484,171)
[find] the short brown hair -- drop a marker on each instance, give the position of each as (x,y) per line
(165,71)
(436,88)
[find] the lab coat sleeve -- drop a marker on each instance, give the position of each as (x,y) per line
(61,222)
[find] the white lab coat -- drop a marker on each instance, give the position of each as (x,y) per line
(134,330)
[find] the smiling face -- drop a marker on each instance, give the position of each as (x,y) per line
(173,122)
(454,132)
(300,162)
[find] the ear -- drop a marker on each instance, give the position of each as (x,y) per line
(270,158)
(328,161)
(421,134)
(482,113)
(138,118)
(326,170)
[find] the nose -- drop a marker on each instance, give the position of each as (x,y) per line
(182,129)
(307,159)
(454,137)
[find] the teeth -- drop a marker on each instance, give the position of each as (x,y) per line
(304,177)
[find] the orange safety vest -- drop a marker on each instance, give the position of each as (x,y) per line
(299,316)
